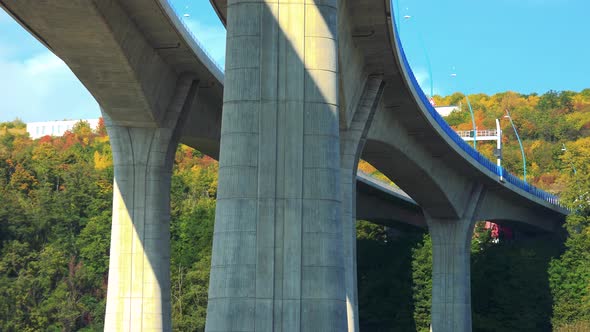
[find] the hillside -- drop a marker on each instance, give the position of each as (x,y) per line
(55,215)
(546,123)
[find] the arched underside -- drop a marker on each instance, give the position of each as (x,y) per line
(128,54)
(385,205)
(406,143)
(381,204)
(202,130)
(410,175)
(100,58)
(510,208)
(134,48)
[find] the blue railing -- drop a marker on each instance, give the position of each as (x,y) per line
(481,159)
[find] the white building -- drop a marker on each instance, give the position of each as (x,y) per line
(55,128)
(446,110)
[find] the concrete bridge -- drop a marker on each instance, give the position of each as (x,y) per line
(310,86)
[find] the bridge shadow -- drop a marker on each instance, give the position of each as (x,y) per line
(384,269)
(510,284)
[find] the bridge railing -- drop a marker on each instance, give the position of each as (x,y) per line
(181,20)
(481,159)
(479,133)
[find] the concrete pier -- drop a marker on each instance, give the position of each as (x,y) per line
(451,274)
(277,260)
(138,296)
(451,267)
(284,237)
(352,140)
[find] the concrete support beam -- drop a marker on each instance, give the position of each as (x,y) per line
(138,296)
(451,273)
(352,140)
(352,67)
(108,53)
(277,260)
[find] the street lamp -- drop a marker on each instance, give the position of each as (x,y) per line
(571,162)
(453,75)
(423,46)
(520,143)
(499,150)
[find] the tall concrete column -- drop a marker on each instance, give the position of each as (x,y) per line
(138,295)
(352,140)
(277,260)
(451,268)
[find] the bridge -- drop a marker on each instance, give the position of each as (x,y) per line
(309,88)
(481,135)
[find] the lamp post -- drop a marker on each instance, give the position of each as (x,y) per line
(453,75)
(499,150)
(520,143)
(428,63)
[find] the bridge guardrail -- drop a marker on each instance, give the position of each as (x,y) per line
(479,132)
(481,159)
(180,18)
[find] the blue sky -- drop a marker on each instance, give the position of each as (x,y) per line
(490,45)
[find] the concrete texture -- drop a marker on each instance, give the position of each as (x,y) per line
(386,205)
(451,275)
(440,179)
(296,70)
(404,142)
(277,260)
(352,139)
(128,54)
(93,41)
(138,296)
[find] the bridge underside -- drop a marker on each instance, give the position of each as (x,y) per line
(309,85)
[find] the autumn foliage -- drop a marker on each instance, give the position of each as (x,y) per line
(55,222)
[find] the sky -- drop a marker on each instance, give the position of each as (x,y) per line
(472,46)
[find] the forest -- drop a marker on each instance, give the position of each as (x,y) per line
(55,215)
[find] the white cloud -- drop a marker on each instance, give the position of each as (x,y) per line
(212,38)
(41,88)
(45,63)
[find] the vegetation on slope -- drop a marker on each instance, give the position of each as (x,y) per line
(55,211)
(55,221)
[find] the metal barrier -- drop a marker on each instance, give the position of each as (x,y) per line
(479,133)
(180,18)
(481,159)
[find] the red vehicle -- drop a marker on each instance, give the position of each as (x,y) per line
(498,232)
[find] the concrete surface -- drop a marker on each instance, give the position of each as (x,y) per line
(405,143)
(138,296)
(277,260)
(129,54)
(451,273)
(352,140)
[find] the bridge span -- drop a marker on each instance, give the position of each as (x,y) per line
(309,88)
